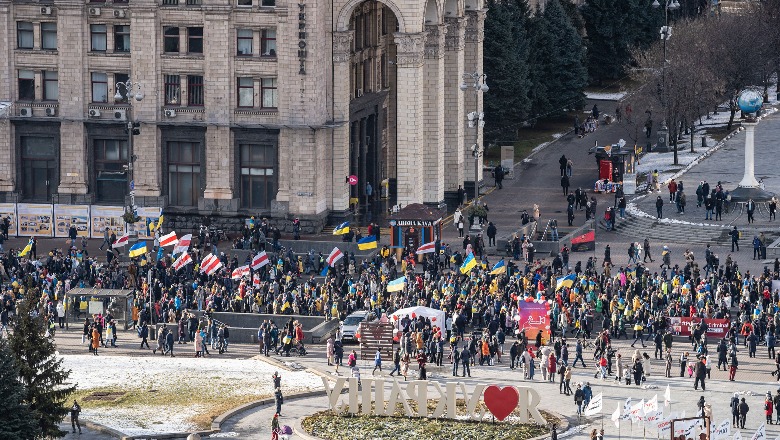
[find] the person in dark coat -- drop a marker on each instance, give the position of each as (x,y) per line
(74,416)
(700,370)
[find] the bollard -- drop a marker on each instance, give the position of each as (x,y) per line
(703,142)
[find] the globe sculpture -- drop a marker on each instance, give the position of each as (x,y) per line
(750,101)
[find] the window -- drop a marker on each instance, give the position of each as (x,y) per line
(244,2)
(26,85)
(195,90)
(258,177)
(183,173)
(244,41)
(195,40)
(171,39)
(100,87)
(172,89)
(246,92)
(269,3)
(24,35)
(170,2)
(49,36)
(268,92)
(51,89)
(98,32)
(122,78)
(268,43)
(121,38)
(110,176)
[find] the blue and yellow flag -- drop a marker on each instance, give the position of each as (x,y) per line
(341,229)
(324,271)
(566,281)
(499,268)
(366,243)
(469,263)
(26,249)
(160,221)
(631,272)
(396,285)
(138,249)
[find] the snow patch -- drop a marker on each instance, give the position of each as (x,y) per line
(605,96)
(196,377)
(634,210)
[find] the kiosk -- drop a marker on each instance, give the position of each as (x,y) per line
(414,225)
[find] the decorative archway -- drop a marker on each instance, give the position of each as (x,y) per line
(345,14)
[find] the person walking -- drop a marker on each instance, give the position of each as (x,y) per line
(75,410)
(457,220)
(743,412)
(396,361)
(646,251)
(733,365)
(751,209)
(772,210)
(491,234)
(579,398)
(700,370)
(734,233)
(279,400)
(659,207)
(565,184)
(377,361)
(562,162)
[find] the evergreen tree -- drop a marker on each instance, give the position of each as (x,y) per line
(40,372)
(17,421)
(558,60)
(506,64)
(609,38)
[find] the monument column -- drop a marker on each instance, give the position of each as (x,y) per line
(433,155)
(342,46)
(454,45)
(474,38)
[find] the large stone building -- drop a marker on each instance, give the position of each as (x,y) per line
(248,107)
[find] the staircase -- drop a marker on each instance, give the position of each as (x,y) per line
(640,228)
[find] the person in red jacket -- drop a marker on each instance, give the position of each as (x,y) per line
(551,367)
(768,408)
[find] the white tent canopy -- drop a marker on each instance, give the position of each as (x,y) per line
(437,317)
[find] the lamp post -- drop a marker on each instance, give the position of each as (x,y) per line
(477,82)
(666,33)
(132,128)
(749,188)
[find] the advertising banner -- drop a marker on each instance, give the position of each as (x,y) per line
(35,220)
(534,317)
(716,328)
(103,217)
(148,216)
(9,210)
(66,215)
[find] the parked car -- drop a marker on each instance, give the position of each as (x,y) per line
(349,325)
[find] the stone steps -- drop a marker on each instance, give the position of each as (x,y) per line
(640,228)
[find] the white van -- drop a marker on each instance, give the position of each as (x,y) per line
(349,325)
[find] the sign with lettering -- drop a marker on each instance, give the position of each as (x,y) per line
(302,38)
(373,398)
(683,325)
(412,222)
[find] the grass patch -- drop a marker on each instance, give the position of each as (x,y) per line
(330,425)
(213,400)
(528,138)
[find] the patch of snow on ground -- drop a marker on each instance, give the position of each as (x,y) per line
(632,209)
(241,377)
(663,162)
(558,135)
(605,96)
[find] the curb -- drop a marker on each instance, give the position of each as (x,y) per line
(538,149)
(101,428)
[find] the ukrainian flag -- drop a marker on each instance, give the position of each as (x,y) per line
(138,249)
(367,243)
(27,248)
(341,229)
(160,221)
(396,285)
(468,264)
(324,271)
(631,272)
(499,268)
(566,281)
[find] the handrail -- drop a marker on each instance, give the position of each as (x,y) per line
(546,228)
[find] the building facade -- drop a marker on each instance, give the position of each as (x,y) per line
(242,107)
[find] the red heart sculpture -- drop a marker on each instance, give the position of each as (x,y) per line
(501,401)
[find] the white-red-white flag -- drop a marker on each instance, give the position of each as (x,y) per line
(121,241)
(210,264)
(427,248)
(182,261)
(256,281)
(240,272)
(260,260)
(169,239)
(183,245)
(335,255)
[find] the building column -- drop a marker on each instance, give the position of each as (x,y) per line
(339,189)
(433,115)
(454,155)
(147,170)
(219,79)
(474,37)
(410,92)
(72,78)
(7,167)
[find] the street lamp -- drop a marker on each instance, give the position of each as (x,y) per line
(477,82)
(666,33)
(132,128)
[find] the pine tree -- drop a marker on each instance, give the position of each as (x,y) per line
(506,64)
(40,372)
(17,421)
(558,60)
(609,39)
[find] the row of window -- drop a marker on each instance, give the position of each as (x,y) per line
(267,95)
(198,2)
(257,171)
(187,40)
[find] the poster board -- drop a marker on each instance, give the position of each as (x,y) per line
(65,215)
(35,219)
(102,217)
(373,335)
(9,210)
(534,317)
(148,215)
(716,328)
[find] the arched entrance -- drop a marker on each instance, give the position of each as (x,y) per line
(372,104)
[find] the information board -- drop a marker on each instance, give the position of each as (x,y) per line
(35,219)
(66,215)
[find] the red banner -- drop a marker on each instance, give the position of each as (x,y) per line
(716,328)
